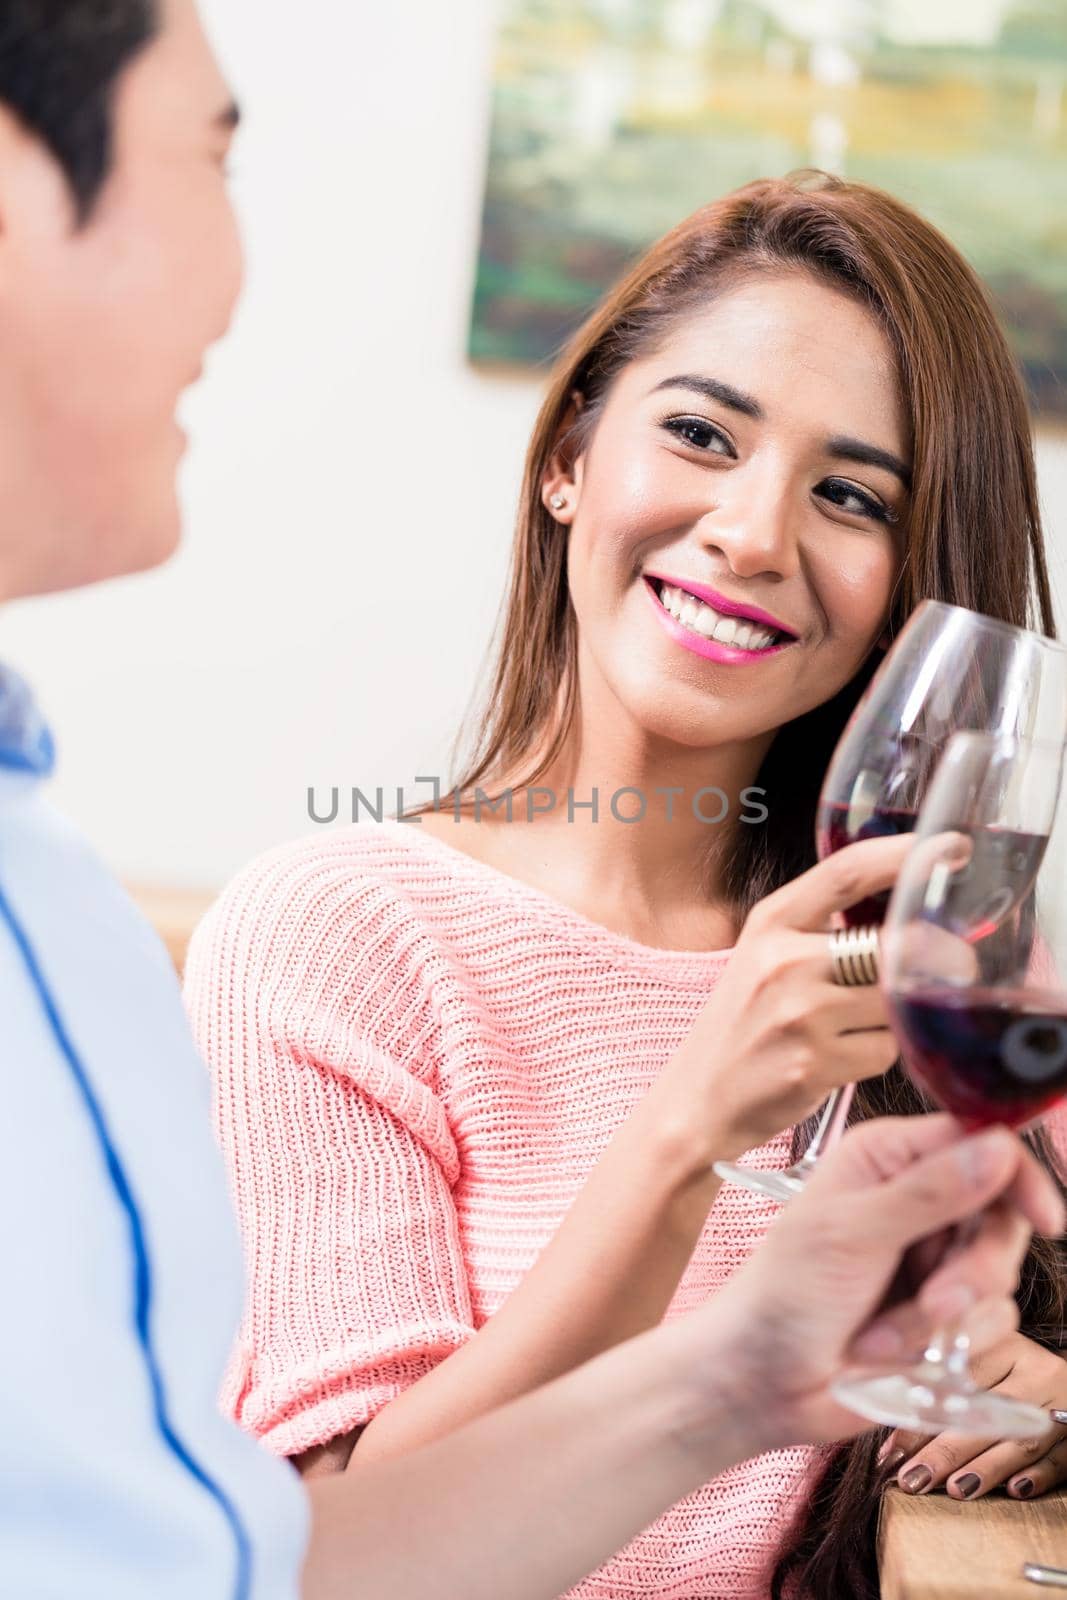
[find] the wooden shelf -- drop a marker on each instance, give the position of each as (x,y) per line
(934,1548)
(174,913)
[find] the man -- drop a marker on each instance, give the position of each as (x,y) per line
(119,265)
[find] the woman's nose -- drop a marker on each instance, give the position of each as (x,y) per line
(755,531)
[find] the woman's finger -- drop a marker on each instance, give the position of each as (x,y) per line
(1010,1459)
(969,1469)
(1041,1475)
(842,880)
(936,1461)
(924,947)
(866,1054)
(849,1010)
(900,1444)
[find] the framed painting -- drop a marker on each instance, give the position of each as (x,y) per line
(613,119)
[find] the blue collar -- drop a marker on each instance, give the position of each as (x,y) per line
(26,743)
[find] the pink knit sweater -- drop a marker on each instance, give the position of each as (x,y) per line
(417,1062)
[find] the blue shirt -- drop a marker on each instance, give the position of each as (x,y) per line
(121,1275)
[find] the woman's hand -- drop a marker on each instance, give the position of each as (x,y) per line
(862,1267)
(778,1034)
(969,1468)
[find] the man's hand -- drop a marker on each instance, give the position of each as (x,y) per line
(859,1267)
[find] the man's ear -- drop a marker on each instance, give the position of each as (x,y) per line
(35,197)
(561,485)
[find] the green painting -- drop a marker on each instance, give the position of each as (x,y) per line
(613,119)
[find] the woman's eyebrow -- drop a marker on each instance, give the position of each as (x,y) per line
(870,455)
(847,449)
(713,389)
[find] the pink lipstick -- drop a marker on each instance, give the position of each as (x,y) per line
(712,649)
(719,602)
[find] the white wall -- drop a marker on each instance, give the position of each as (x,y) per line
(351,487)
(351,484)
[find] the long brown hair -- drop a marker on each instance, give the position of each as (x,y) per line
(973,538)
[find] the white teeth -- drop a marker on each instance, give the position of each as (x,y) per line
(711,624)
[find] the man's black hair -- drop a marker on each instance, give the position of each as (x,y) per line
(59,63)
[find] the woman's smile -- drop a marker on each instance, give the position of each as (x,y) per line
(738,636)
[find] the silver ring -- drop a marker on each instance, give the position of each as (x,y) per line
(854,956)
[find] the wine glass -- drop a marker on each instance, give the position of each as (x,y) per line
(974,968)
(949,670)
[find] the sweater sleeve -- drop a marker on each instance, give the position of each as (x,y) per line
(308,991)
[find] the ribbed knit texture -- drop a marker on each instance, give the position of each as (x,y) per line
(418,1061)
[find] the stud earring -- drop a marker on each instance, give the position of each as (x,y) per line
(558,501)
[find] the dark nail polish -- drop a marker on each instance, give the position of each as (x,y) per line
(915,1480)
(1024,1488)
(968,1484)
(895,1458)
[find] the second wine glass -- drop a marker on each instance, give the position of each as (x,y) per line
(975,973)
(951,670)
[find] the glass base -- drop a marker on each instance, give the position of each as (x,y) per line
(930,1399)
(774,1185)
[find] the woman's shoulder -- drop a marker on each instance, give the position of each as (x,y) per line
(315,954)
(307,901)
(351,862)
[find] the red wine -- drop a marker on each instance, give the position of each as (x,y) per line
(987,1055)
(995,882)
(834,833)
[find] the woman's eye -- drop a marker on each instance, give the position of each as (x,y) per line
(846,497)
(699,433)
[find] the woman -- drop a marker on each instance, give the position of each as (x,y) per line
(472,1074)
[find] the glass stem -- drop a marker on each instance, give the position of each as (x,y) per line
(950,1347)
(831,1125)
